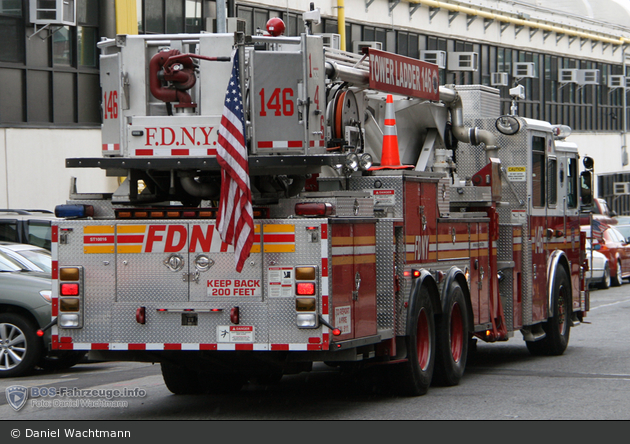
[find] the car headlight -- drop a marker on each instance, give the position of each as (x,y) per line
(46,294)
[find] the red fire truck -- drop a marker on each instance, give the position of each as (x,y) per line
(468,228)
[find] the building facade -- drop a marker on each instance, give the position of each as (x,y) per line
(570,56)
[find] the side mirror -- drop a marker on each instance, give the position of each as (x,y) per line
(588,163)
(586,188)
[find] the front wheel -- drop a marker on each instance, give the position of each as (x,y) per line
(558,327)
(413,377)
(20,348)
(452,338)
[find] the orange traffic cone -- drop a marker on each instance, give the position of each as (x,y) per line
(390,156)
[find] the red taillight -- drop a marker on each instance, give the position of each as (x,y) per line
(305,288)
(69,290)
(141,315)
(234,315)
(415,273)
(313,209)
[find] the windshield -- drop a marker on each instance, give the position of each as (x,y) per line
(41,258)
(9,264)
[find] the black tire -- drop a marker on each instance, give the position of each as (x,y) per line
(452,336)
(180,380)
(413,377)
(617,280)
(185,381)
(558,327)
(605,284)
(62,360)
(20,348)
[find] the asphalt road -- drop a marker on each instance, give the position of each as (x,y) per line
(591,381)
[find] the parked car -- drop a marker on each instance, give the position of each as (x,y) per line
(598,273)
(26,226)
(614,246)
(600,212)
(624,229)
(25,307)
(29,256)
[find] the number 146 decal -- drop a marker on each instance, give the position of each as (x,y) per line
(110,104)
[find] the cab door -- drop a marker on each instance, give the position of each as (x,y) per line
(538,224)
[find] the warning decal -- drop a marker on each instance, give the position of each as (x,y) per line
(343,318)
(384,198)
(234,287)
(517,174)
(280,281)
(235,333)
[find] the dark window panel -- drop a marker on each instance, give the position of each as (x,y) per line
(12,95)
(87,12)
(64,97)
(89,93)
(153,16)
(38,96)
(12,38)
(174,16)
(260,19)
(247,15)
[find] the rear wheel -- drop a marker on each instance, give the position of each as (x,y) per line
(617,280)
(62,360)
(452,338)
(20,348)
(558,327)
(185,381)
(413,377)
(180,380)
(605,283)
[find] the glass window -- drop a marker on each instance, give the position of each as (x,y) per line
(552,173)
(12,38)
(86,46)
(572,189)
(193,16)
(39,233)
(153,16)
(538,171)
(174,16)
(62,46)
(87,12)
(8,232)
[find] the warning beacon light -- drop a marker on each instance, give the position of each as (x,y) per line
(275,26)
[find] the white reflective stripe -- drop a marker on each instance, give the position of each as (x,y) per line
(118,346)
(154,346)
(81,346)
(342,251)
(369,249)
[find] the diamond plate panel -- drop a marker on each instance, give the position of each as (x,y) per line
(99,281)
(385,265)
(166,327)
(281,318)
(506,286)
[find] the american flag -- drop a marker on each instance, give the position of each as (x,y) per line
(235,220)
(598,229)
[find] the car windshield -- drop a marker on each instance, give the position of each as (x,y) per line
(41,258)
(624,230)
(9,264)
